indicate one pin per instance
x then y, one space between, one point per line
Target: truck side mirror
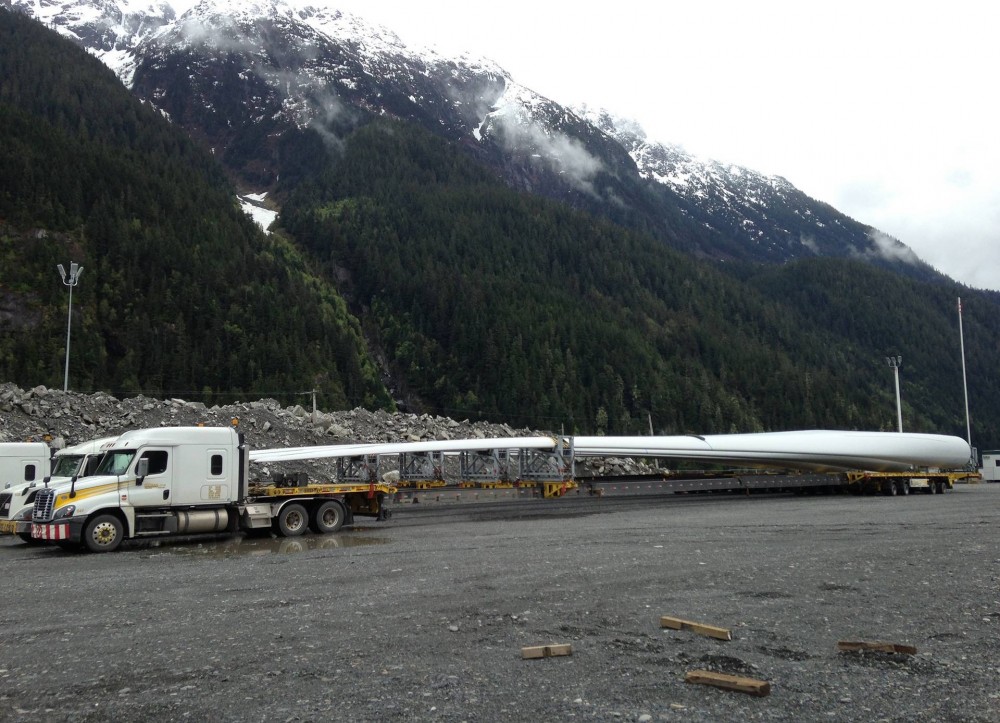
141 470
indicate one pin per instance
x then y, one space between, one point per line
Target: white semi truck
77 461
21 464
185 481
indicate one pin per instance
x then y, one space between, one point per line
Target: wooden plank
709 630
845 646
750 686
546 651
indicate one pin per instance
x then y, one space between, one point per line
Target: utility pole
649 416
313 393
895 362
70 280
965 384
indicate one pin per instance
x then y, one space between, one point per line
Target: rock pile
67 418
71 418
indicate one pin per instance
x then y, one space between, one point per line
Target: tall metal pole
895 362
965 385
70 280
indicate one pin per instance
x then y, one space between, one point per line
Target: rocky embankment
68 418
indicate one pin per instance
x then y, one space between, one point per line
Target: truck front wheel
292 520
328 517
104 533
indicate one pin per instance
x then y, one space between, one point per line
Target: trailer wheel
890 488
292 520
104 533
328 517
939 487
904 487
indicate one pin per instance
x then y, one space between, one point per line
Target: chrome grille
42 511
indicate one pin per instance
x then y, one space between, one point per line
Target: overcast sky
887 110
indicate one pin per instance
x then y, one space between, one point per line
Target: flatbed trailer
903 483
859 482
358 499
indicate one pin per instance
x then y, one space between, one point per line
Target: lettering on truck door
155 488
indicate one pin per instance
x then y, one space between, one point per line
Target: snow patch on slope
253 206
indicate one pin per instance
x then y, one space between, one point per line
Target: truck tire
104 533
328 517
292 520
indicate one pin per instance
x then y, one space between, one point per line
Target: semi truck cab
151 482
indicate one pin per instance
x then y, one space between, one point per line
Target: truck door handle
166 494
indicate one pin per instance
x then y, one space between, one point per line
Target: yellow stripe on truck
65 499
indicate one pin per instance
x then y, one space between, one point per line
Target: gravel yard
424 617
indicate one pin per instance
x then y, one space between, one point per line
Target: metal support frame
539 465
363 469
485 466
421 466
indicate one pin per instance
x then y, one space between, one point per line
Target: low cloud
330 113
224 37
810 243
568 156
890 249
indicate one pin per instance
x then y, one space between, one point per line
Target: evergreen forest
404 274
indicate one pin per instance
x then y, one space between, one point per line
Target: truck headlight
66 511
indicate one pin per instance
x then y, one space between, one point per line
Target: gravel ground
423 617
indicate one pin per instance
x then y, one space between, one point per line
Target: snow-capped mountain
239 75
764 212
108 29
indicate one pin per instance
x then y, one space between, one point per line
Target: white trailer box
991 466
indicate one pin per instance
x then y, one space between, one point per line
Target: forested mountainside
181 292
487 299
478 301
240 76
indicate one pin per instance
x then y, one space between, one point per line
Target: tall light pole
965 382
70 280
895 362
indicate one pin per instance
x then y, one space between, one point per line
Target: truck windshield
67 466
116 462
